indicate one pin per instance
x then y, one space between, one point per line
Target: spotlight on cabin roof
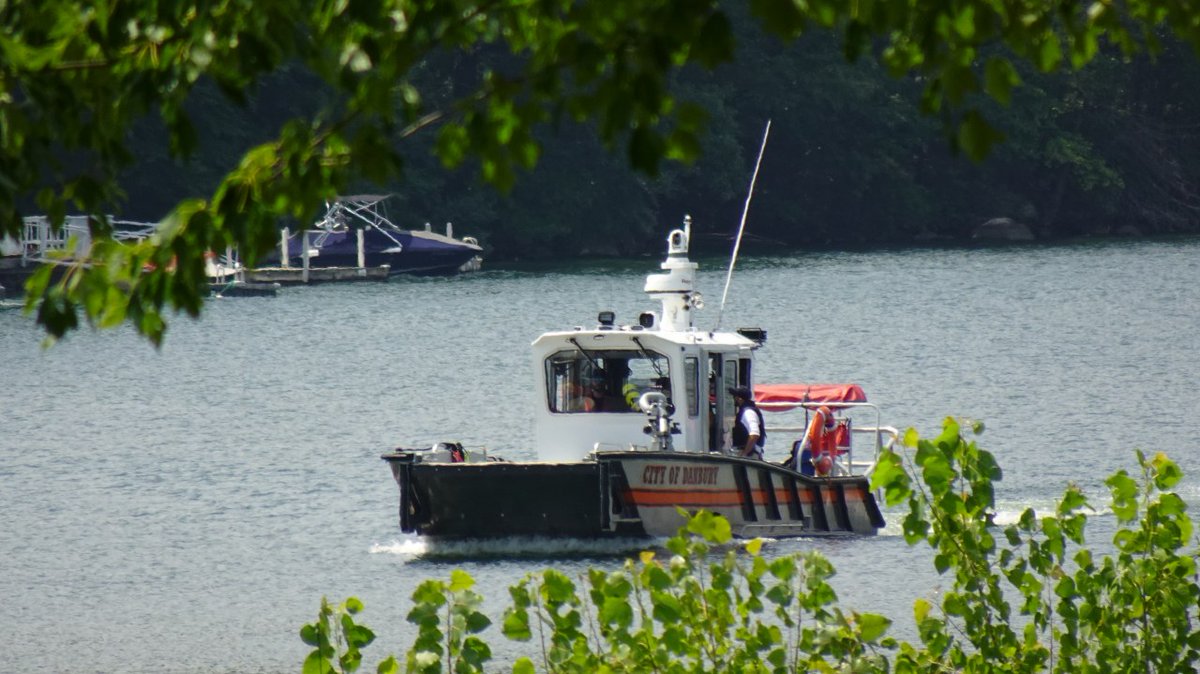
757 335
606 319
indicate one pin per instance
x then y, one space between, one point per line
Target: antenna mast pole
742 227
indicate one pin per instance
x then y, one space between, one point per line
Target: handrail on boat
878 431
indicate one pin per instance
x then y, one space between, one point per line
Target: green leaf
516 626
999 79
715 44
1065 588
964 22
311 635
954 604
430 592
921 608
460 580
1049 55
1124 495
711 527
975 136
911 437
646 149
937 472
754 546
477 622
872 626
616 611
359 636
556 586
1166 473
315 664
785 19
388 666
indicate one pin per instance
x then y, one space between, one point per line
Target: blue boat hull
405 252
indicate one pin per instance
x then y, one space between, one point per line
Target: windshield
581 381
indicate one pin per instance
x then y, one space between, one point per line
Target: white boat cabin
592 383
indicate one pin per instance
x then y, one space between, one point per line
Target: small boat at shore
633 429
356 234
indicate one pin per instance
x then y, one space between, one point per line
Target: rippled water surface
184 510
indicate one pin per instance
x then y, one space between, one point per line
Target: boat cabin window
691 373
604 380
744 374
728 405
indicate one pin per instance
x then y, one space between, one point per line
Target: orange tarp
779 397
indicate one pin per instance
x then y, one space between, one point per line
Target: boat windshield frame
612 378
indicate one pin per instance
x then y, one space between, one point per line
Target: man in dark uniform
749 430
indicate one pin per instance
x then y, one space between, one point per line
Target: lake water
185 510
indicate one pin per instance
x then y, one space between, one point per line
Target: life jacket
631 394
841 436
741 434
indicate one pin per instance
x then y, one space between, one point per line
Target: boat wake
517 547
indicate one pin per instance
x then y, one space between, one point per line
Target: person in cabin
627 398
596 392
749 430
630 394
581 397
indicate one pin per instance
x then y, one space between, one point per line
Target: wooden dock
300 276
243 289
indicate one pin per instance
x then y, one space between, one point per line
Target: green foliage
448 621
1077 610
338 641
691 612
1026 597
76 79
81 81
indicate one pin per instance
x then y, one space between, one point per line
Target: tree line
852 160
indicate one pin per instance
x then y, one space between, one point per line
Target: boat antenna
742 227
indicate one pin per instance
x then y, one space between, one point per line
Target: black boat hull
621 494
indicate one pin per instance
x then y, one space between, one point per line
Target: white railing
881 436
41 243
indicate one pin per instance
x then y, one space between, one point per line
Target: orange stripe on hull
685 497
724 498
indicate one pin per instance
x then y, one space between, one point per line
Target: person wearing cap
749 434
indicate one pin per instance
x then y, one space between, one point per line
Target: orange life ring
821 440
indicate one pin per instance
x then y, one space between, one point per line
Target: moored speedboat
634 425
356 233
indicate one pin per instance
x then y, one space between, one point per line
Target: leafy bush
715 607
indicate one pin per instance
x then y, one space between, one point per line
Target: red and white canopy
781 397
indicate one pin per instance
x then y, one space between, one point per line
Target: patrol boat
633 428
